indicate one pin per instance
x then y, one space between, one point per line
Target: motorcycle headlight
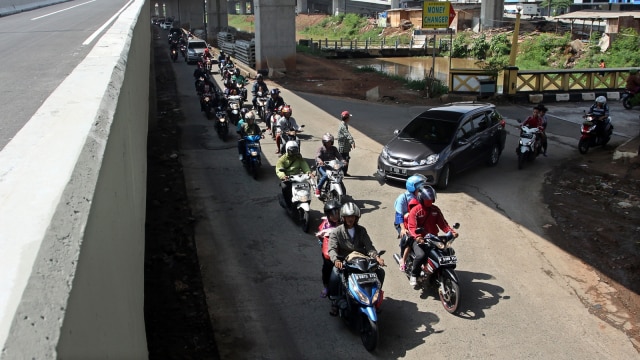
362 297
438 244
234 112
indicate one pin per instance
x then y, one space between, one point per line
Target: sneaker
403 268
413 281
317 192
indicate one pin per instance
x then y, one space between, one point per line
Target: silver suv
195 49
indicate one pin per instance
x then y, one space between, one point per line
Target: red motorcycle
591 136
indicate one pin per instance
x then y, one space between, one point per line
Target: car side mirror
396 132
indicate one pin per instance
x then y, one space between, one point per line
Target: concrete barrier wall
72 209
8 7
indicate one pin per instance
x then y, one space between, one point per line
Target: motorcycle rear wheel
583 146
369 333
449 293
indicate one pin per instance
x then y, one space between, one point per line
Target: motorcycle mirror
381 252
456 225
302 125
420 230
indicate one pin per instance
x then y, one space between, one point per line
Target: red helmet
206 51
286 110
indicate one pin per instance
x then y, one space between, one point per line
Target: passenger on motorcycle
330 221
286 123
430 218
221 56
291 163
633 82
344 240
401 206
535 121
600 112
259 85
274 102
325 153
249 127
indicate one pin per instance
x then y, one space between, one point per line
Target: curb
569 97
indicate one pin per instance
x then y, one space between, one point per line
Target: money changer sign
437 15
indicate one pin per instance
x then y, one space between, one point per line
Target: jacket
345 140
325 153
291 165
341 244
430 219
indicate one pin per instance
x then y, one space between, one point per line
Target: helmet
236 71
414 182
244 111
250 116
206 51
275 91
427 195
292 148
350 209
286 110
259 77
601 100
327 138
344 115
331 206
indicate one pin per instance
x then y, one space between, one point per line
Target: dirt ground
594 201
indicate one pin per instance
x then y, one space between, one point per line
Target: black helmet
332 206
275 91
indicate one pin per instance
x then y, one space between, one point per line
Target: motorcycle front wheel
253 169
369 333
449 293
626 102
304 220
583 146
520 161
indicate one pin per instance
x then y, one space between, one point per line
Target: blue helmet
415 182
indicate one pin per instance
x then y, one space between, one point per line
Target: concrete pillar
231 7
243 7
491 14
395 4
338 7
216 18
275 30
302 7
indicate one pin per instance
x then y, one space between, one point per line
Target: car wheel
494 156
445 176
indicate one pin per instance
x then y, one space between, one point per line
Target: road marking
95 34
55 12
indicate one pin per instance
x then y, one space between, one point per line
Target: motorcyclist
600 112
535 121
248 128
325 153
286 123
173 45
274 102
401 206
430 218
207 89
258 86
237 78
207 56
633 82
345 239
291 163
329 222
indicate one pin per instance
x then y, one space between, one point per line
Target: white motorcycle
299 206
235 104
261 101
529 146
333 188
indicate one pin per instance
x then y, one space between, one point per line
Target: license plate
448 260
398 171
366 278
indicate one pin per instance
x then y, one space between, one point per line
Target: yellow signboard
437 15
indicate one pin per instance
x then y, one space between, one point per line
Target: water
413 68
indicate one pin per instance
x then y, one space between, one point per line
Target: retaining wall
72 209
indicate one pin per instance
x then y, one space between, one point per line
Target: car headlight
430 160
385 153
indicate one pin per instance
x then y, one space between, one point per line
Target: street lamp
514 40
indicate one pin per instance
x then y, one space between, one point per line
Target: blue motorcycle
252 158
360 297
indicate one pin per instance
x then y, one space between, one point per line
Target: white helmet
250 116
350 209
292 148
601 100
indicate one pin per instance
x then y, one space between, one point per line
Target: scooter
222 124
252 159
174 54
242 90
361 296
206 99
529 146
289 135
234 104
333 188
630 100
299 206
590 136
261 101
439 268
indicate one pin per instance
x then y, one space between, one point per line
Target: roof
598 14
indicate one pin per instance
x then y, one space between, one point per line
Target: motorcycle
299 206
289 135
529 146
439 268
273 124
629 100
333 188
360 296
590 136
183 50
207 104
234 104
252 159
221 124
261 100
174 54
242 90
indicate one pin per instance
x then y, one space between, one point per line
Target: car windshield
197 45
428 130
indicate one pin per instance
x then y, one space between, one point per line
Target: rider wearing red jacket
430 218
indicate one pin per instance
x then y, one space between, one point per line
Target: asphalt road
40 48
522 297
